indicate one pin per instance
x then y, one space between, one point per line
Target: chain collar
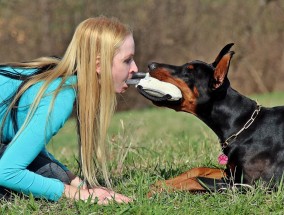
233 137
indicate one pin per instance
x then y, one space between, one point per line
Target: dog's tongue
154 89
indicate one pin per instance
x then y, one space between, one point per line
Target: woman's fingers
105 196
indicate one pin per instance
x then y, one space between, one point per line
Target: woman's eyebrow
128 56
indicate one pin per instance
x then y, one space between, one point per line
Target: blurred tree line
165 31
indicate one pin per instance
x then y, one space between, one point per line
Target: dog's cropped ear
224 51
221 70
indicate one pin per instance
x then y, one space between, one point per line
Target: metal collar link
233 137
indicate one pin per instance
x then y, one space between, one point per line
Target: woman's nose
135 68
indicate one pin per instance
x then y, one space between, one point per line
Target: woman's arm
30 142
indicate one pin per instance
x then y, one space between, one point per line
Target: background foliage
165 31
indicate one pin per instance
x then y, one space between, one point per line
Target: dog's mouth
154 98
154 89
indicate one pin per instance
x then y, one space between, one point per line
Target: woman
37 98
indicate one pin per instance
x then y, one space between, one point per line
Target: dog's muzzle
154 89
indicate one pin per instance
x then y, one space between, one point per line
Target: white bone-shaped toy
159 89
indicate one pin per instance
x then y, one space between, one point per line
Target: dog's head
198 81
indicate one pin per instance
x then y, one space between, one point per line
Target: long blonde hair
94 43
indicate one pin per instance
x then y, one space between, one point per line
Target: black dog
251 136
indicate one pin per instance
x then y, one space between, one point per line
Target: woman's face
123 64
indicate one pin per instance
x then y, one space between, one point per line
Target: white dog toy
155 89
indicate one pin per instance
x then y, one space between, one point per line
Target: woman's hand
78 190
105 196
101 195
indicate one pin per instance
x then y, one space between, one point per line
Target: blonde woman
37 98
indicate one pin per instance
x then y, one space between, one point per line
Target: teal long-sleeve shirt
25 146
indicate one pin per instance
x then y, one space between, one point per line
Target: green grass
149 145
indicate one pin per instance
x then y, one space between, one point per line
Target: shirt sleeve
31 141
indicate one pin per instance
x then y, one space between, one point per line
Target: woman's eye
128 60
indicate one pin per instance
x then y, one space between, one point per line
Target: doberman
251 136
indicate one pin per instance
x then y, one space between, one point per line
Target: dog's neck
227 115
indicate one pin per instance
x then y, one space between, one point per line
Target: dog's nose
152 66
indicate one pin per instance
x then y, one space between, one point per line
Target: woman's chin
122 89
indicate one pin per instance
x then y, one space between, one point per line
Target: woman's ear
98 65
